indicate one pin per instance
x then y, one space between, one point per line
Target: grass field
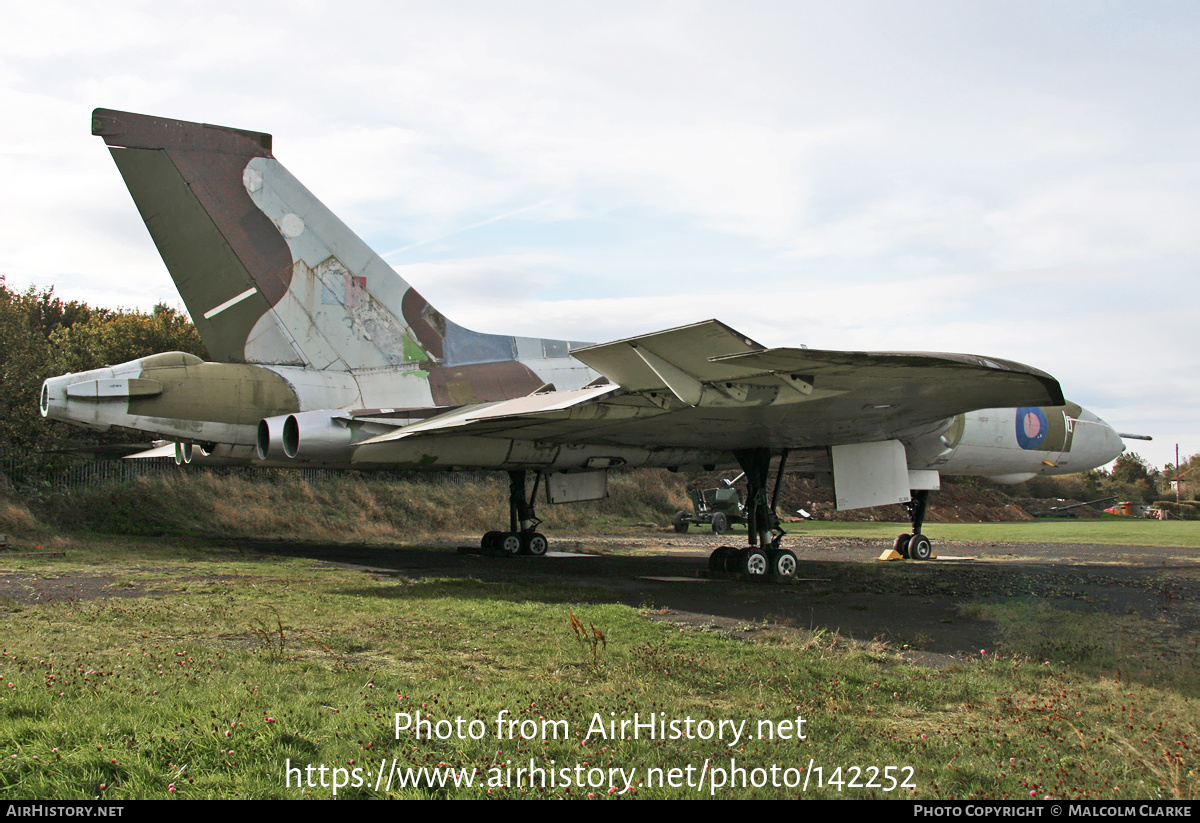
205 673
179 666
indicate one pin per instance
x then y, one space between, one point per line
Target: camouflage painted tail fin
268 273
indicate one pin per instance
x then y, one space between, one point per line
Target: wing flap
546 405
653 362
165 450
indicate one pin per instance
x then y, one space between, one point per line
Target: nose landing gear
915 546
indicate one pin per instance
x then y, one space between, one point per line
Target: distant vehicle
1069 510
719 508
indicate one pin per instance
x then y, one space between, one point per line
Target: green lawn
232 675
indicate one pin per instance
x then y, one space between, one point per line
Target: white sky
1015 179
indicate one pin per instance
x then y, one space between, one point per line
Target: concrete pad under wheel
748 578
892 554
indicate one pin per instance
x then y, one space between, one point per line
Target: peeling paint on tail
342 309
271 276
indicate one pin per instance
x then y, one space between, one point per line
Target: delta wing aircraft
324 356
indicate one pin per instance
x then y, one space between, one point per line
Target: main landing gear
916 545
522 536
763 555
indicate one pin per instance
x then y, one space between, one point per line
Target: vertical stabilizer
271 276
228 260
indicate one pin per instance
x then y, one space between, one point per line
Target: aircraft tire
733 560
784 563
507 543
755 562
901 545
720 523
534 543
718 561
919 547
681 522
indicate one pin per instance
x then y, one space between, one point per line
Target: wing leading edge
706 386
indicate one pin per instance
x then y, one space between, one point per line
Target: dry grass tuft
351 508
15 517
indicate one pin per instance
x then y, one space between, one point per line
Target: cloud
862 175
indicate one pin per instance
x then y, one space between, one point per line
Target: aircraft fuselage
237 413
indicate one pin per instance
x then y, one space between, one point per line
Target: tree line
42 335
1131 477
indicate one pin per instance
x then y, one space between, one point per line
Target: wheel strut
522 536
915 545
763 554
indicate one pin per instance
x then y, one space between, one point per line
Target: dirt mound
953 504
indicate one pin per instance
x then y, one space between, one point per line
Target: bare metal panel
576 486
870 474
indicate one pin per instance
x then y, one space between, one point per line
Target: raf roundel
1032 427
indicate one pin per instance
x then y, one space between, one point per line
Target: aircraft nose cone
1095 442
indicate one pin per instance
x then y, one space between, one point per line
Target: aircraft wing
707 386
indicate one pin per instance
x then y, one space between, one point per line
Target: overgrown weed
272 639
589 636
351 508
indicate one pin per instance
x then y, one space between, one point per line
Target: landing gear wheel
784 563
489 540
720 523
733 559
901 545
755 562
508 543
681 522
919 547
718 561
534 543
